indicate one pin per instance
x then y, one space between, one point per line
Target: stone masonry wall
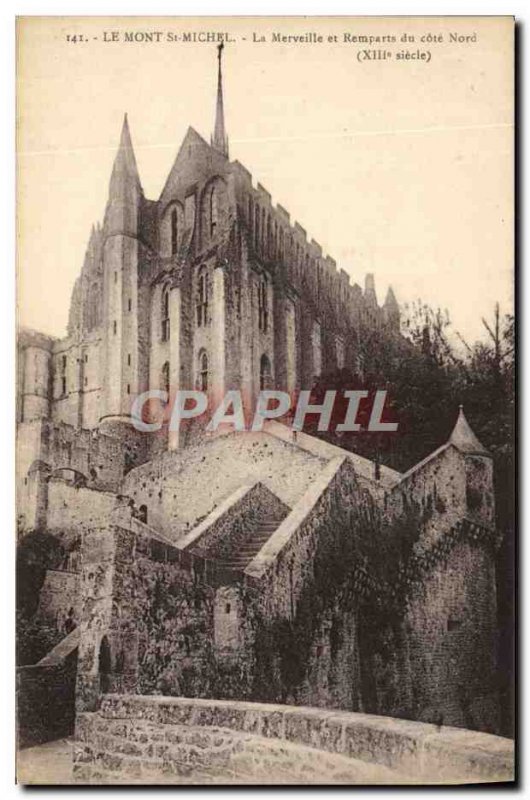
306 642
59 594
76 508
450 621
45 702
181 488
148 622
179 740
223 530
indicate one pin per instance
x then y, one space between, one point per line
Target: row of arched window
273 241
202 381
211 202
202 374
202 302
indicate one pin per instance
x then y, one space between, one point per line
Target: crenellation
264 194
284 215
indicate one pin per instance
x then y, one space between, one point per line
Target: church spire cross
220 139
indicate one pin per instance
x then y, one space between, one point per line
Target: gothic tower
120 277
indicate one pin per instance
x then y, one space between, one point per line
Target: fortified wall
347 598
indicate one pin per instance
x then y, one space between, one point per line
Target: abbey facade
209 286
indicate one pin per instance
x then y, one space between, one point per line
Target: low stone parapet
143 735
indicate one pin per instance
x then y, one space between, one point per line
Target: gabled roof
202 151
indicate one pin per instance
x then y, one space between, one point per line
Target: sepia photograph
265 401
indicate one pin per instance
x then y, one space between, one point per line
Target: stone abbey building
260 566
209 285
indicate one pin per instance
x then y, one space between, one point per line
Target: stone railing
364 468
169 737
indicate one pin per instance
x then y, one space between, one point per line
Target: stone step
243 555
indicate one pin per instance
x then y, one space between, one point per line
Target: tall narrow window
174 231
114 327
213 212
202 298
263 242
63 375
265 374
104 666
165 315
263 312
203 371
165 377
250 215
256 226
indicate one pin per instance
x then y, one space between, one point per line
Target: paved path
51 763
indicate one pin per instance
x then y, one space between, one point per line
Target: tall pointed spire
220 139
125 161
390 300
125 189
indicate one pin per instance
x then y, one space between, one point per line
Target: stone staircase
241 556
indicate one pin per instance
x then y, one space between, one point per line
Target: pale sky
400 168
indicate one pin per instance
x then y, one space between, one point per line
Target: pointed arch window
213 211
165 377
263 242
202 298
174 231
250 215
256 226
263 311
165 314
265 373
203 371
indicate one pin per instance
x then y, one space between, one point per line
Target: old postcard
265 400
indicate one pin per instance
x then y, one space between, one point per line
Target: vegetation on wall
428 373
36 553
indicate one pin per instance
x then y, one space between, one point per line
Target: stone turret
391 311
121 253
478 471
125 190
33 365
370 296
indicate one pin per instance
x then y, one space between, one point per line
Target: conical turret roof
464 439
390 300
125 166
